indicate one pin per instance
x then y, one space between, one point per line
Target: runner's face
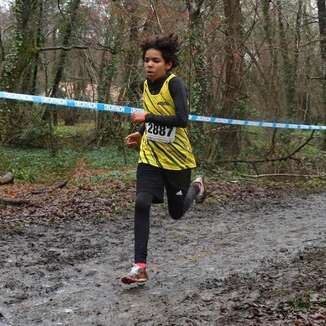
155 65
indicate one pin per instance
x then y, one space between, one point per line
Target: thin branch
64 48
317 78
156 15
283 158
60 10
76 47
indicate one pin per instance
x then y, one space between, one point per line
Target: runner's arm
141 129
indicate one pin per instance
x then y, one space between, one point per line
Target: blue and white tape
128 110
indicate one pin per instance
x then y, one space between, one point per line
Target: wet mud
254 262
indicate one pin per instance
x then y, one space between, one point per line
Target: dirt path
256 263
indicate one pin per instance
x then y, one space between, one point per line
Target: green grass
80 130
37 165
110 157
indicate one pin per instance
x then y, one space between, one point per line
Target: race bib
160 133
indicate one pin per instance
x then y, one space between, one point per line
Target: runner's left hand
139 116
133 140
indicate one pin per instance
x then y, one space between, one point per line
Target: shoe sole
128 280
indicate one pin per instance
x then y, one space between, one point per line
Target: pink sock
141 265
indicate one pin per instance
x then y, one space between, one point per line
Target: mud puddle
255 263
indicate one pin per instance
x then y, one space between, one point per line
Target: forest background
253 59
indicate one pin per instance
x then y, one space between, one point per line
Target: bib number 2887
160 133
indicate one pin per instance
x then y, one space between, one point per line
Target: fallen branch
272 175
14 201
57 185
7 178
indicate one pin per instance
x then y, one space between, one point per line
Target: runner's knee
143 202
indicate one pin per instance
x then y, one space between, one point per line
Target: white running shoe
136 275
200 197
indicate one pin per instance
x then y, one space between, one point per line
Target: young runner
166 158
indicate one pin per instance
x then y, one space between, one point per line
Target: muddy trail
254 262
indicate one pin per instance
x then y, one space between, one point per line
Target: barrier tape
128 110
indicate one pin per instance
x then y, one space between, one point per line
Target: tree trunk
21 50
273 103
305 94
287 69
66 36
230 137
271 97
67 29
39 42
131 76
105 126
322 31
199 96
17 59
2 51
290 68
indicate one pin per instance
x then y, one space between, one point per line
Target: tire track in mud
68 274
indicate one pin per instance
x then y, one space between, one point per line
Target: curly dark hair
168 45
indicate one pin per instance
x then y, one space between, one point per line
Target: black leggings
178 205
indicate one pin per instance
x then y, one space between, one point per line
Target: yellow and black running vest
175 155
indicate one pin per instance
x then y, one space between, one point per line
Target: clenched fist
133 140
